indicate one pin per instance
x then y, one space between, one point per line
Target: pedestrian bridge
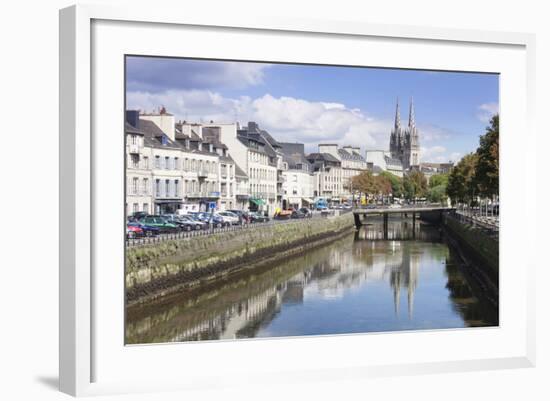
431 213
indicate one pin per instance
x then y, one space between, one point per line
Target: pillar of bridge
357 219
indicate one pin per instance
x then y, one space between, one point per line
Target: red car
134 231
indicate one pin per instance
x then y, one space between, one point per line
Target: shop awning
257 201
308 200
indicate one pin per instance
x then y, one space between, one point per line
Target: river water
410 280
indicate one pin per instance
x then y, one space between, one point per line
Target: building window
145 186
136 207
146 162
176 163
176 188
166 163
157 188
167 188
146 208
134 186
157 161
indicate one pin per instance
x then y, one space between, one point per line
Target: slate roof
392 161
322 157
239 172
344 154
293 155
130 129
154 136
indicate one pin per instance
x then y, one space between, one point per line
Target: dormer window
164 140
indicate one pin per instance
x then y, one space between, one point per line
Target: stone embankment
155 270
477 245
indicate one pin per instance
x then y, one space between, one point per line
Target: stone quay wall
477 245
155 270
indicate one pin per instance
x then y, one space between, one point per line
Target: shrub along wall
157 269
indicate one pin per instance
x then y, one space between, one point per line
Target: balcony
204 194
134 149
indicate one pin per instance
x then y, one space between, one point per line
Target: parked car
181 224
306 211
256 217
133 231
298 214
196 223
242 214
149 231
160 223
226 220
233 218
136 216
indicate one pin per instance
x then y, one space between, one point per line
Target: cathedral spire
397 116
411 114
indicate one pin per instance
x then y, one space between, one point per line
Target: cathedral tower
405 143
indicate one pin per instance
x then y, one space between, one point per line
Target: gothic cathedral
404 142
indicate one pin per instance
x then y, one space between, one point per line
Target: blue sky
314 104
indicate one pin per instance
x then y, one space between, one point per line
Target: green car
160 223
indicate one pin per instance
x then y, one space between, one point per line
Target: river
411 280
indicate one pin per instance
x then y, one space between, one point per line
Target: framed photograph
281 200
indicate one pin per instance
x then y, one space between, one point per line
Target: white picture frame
84 327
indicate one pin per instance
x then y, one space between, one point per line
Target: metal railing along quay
209 231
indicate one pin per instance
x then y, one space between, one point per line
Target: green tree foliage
437 191
437 194
439 179
462 186
370 184
396 183
415 185
486 176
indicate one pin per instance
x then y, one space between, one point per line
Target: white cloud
438 154
290 119
287 118
486 110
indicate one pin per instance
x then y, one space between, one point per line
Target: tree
461 186
396 183
369 184
486 175
437 194
415 185
439 179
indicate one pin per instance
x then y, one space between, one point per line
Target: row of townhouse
179 165
175 166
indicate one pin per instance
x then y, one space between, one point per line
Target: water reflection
361 283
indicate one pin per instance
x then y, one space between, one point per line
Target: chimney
252 126
132 118
330 148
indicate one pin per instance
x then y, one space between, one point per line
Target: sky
315 104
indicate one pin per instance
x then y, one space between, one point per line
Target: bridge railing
490 223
